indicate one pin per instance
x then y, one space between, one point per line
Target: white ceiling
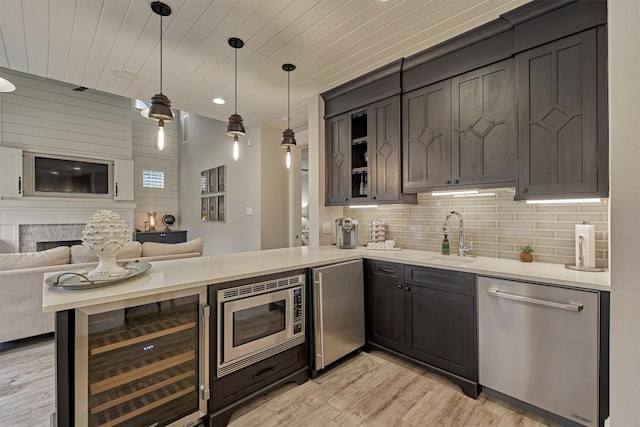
330 41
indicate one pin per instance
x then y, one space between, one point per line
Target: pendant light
288 136
160 108
235 127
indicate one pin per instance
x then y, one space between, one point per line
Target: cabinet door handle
116 189
317 296
386 270
264 371
399 286
19 185
524 190
407 288
564 306
374 197
446 181
457 181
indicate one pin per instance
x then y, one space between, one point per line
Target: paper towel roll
588 244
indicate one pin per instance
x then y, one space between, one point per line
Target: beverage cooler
143 362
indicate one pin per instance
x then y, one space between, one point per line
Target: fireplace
43 246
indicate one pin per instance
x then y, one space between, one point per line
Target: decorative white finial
104 235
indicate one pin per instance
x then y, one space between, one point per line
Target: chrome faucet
462 249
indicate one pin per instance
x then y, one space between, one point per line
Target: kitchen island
171 286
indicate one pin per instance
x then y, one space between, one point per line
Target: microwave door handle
319 326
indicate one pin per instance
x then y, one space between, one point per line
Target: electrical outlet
326 228
249 211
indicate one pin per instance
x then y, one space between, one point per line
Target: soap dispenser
445 245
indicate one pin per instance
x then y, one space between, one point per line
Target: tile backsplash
497 224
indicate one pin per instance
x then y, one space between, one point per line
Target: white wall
146 156
208 147
624 92
318 212
274 190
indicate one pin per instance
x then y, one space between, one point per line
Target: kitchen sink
451 259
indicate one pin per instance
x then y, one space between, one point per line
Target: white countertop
178 274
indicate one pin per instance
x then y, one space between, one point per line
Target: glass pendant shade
288 139
288 136
160 108
235 127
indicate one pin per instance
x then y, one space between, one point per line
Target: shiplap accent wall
49 117
46 116
146 156
497 224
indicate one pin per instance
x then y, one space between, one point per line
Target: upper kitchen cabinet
363 140
11 172
562 118
426 154
461 131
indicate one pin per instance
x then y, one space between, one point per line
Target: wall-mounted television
59 176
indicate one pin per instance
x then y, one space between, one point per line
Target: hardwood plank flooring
371 389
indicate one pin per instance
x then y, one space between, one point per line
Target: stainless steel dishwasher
540 344
338 312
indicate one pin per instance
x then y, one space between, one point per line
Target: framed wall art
213 188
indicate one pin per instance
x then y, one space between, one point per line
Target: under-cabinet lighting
563 201
474 195
453 193
362 206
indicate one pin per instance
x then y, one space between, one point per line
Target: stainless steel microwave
259 320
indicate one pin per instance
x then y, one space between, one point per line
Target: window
152 179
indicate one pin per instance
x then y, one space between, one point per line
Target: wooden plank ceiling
330 41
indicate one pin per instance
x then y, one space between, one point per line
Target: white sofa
22 276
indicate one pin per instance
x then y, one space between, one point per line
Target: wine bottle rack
143 364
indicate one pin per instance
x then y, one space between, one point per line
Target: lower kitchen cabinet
425 314
385 306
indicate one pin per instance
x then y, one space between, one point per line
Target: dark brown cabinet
426 121
461 131
363 155
559 119
337 154
426 314
385 305
441 319
161 236
483 117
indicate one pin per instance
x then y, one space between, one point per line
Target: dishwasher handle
564 306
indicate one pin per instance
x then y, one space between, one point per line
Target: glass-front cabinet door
143 363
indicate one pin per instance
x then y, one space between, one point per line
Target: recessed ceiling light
218 101
6 85
125 74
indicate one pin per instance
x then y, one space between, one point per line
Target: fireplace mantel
33 211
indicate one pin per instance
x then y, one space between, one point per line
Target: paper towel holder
580 266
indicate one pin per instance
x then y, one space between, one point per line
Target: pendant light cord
288 98
160 53
236 80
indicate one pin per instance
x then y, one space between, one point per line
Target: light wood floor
371 389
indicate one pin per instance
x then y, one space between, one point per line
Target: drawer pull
563 306
263 372
386 270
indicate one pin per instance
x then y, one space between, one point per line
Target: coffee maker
346 233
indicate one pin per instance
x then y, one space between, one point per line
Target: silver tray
78 279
